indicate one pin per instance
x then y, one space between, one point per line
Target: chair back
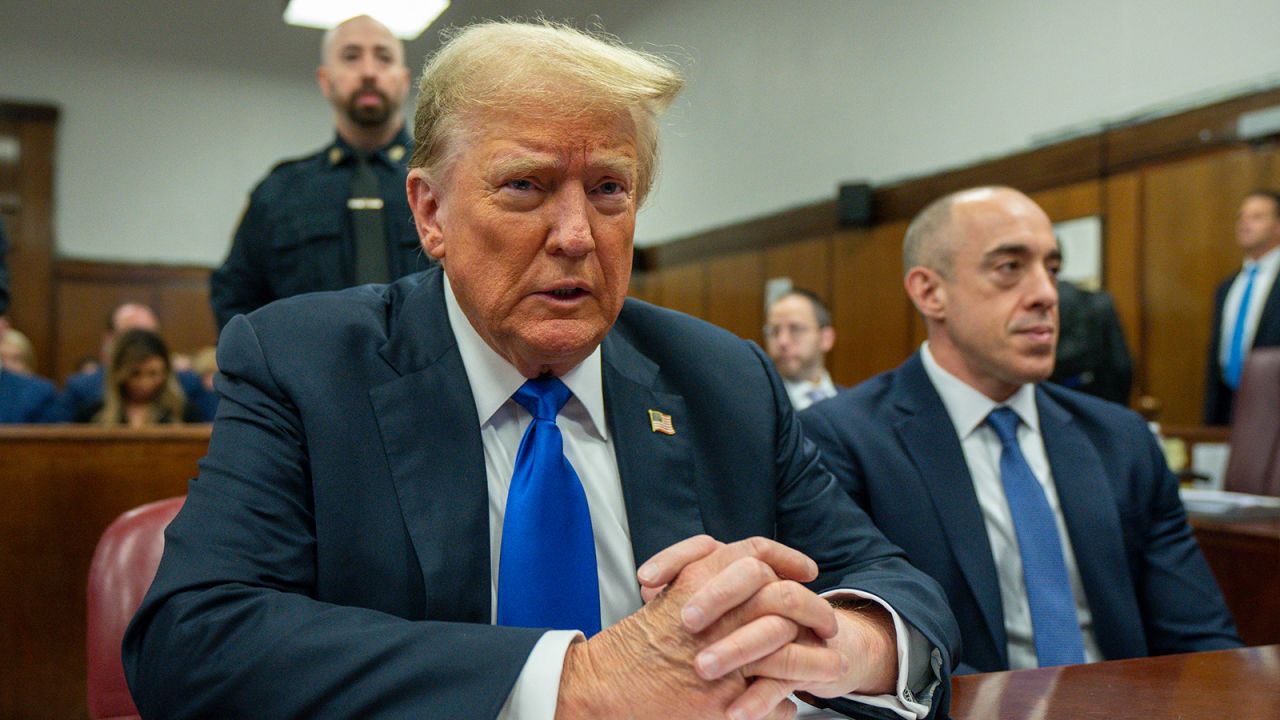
122 569
1254 464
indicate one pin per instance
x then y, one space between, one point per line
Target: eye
611 187
521 185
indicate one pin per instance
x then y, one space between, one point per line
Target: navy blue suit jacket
892 445
332 557
25 398
1218 398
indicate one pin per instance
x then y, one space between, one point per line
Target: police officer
339 217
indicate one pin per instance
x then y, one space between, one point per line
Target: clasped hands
727 631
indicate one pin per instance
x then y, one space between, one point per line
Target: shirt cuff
918 665
537 688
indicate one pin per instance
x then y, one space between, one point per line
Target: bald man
338 217
1048 516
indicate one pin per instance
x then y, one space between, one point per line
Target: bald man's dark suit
332 558
892 445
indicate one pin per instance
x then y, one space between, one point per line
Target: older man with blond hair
499 488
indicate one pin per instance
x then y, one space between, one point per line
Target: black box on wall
853 205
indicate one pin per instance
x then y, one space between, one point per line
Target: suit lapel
940 462
1089 508
427 420
657 470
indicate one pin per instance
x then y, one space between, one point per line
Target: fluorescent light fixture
405 18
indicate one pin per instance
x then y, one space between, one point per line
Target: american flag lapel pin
661 422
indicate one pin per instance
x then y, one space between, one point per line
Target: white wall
786 99
158 146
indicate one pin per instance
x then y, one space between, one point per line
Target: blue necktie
1054 624
1236 351
547 571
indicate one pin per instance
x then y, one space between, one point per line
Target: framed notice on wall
1081 243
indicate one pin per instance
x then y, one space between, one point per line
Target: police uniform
297 233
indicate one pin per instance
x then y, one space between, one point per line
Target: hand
788 639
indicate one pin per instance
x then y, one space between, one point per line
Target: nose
571 233
1043 291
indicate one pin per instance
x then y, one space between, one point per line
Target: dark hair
1272 195
820 308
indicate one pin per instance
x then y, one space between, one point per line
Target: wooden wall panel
60 487
642 287
872 313
86 292
682 287
806 262
735 293
1122 263
1072 201
1188 215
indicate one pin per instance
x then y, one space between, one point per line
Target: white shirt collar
967 406
1267 264
494 380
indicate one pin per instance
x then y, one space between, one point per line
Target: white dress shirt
802 392
968 409
1268 267
589 449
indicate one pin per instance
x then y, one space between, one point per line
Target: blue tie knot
1005 422
543 397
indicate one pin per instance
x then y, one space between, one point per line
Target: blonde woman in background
141 388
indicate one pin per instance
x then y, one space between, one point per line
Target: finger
785 710
724 591
762 697
795 602
787 562
800 665
663 567
744 645
649 593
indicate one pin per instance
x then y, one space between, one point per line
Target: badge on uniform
661 422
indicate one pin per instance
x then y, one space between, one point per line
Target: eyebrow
522 164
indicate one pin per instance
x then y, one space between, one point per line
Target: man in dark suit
344 550
1049 517
798 334
1092 355
1255 290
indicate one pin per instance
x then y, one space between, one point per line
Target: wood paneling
735 293
1072 201
1188 215
1122 262
806 262
871 312
1202 129
87 292
26 189
60 487
682 287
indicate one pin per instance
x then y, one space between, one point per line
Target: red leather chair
122 569
1254 464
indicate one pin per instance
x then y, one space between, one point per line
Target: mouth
566 294
1040 334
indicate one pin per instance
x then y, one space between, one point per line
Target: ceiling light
405 18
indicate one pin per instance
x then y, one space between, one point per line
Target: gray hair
507 65
930 241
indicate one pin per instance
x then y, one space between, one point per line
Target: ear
927 292
424 203
827 336
322 80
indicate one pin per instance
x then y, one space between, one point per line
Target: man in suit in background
1092 355
1246 306
1048 516
798 335
370 534
337 217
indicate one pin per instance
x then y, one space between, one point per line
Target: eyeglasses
773 332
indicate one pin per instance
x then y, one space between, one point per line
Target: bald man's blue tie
1054 624
547 571
1236 350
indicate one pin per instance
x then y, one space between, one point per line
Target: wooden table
1245 558
1239 684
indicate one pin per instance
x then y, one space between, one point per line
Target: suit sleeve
240 284
232 626
816 516
1183 608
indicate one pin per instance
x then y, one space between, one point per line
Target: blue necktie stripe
1236 350
1054 624
547 568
